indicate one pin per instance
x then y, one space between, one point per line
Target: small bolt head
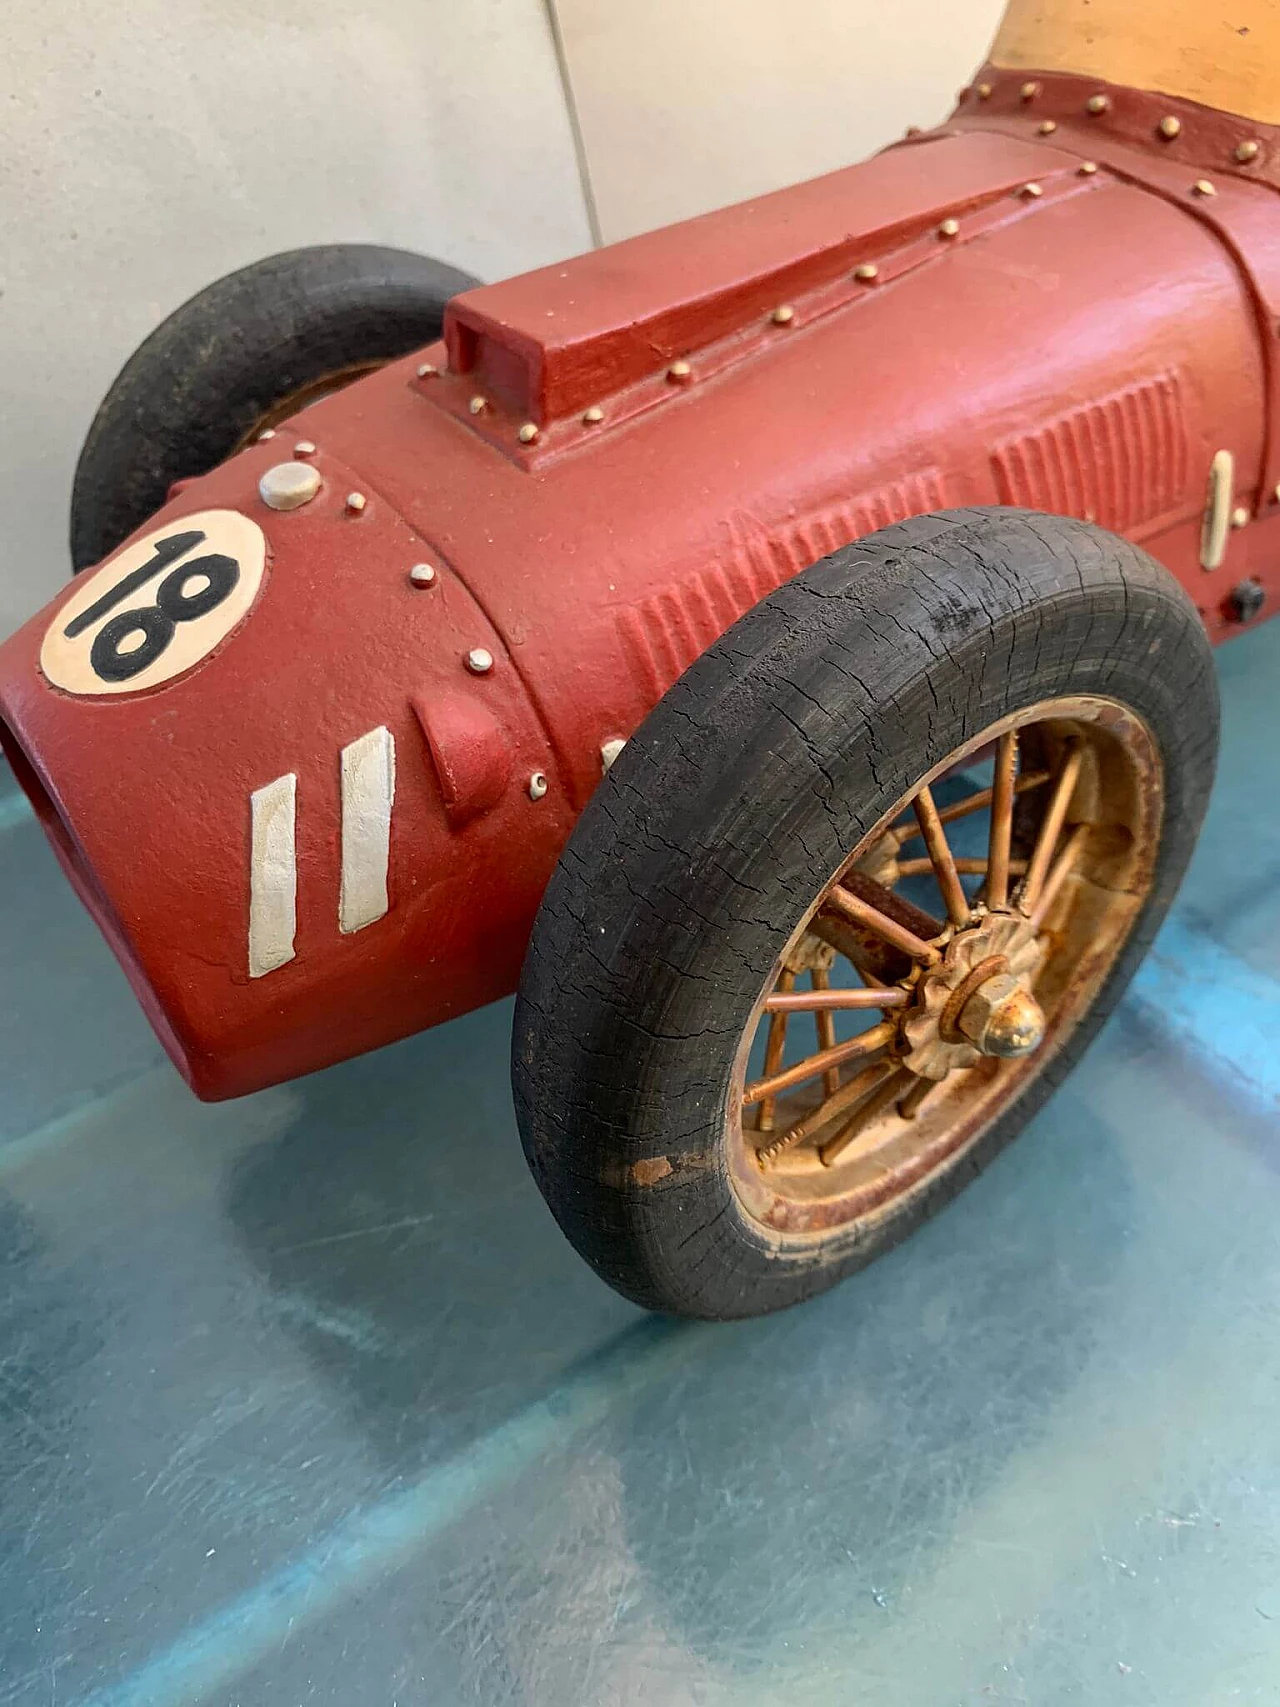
609 752
866 272
356 502
537 785
423 575
783 315
1097 104
1031 191
304 447
984 91
479 661
528 433
949 228
679 373
288 485
1046 127
478 405
1087 168
428 370
1028 91
1246 600
1246 151
1169 127
593 416
1239 517
265 434
1202 187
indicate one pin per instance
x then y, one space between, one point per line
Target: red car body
606 464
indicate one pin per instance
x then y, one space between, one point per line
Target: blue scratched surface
304 1400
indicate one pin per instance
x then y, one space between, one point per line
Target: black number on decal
177 545
132 641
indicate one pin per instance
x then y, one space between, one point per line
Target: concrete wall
686 105
156 145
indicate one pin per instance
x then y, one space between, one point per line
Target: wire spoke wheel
944 962
854 899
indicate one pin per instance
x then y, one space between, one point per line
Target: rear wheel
854 899
247 352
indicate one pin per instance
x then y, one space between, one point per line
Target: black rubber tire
191 392
727 812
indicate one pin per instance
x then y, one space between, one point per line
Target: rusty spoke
909 1105
1051 827
942 859
824 1021
1001 832
844 1097
976 802
774 1049
1061 869
966 867
821 998
866 1043
871 1108
860 912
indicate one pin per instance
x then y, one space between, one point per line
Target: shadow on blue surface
304 1398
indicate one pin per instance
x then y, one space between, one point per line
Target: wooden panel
1222 56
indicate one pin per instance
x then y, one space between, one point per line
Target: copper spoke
1001 832
909 1105
861 912
774 1049
825 1024
815 1000
1062 868
966 867
1051 828
843 1098
883 1097
974 803
944 865
866 1043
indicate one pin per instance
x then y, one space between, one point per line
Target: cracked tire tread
728 810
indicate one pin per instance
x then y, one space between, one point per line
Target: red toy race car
785 636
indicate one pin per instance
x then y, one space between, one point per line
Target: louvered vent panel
1120 462
668 631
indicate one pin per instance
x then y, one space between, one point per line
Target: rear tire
783 749
233 358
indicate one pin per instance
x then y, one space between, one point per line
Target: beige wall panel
685 105
156 145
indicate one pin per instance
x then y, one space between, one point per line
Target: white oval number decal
157 607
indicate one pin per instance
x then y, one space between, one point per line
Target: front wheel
853 901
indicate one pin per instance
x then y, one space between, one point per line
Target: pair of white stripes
368 772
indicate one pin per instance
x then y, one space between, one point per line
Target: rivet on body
288 485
